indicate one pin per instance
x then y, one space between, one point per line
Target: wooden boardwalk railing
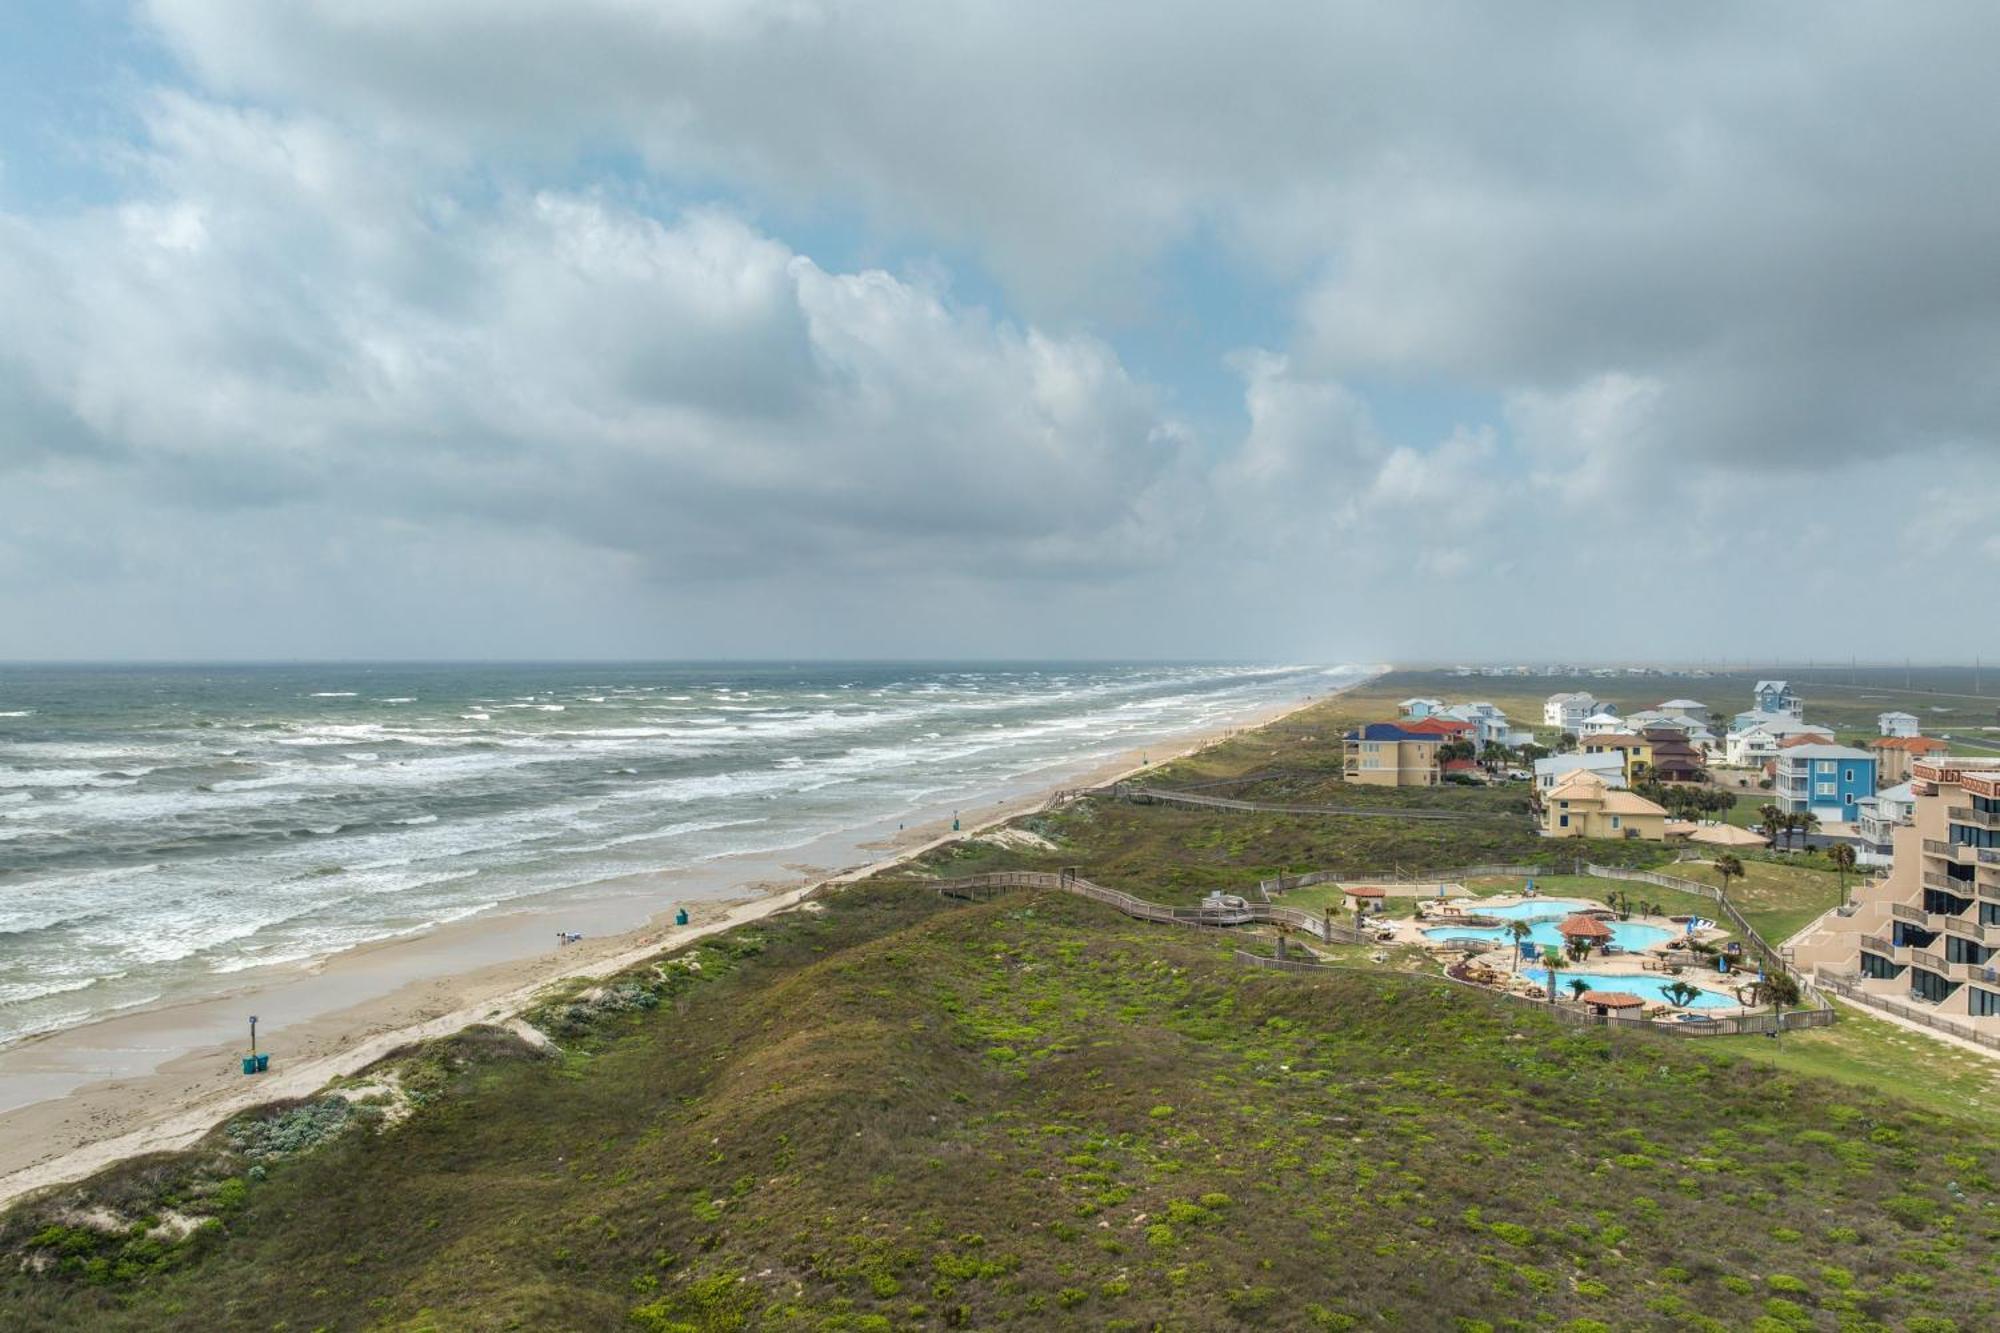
1126 791
1319 926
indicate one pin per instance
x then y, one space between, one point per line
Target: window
1982 1003
1989 914
1825 789
1565 818
1614 821
1875 965
1850 775
1929 985
1825 765
1958 949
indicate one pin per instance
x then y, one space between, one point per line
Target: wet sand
153 1079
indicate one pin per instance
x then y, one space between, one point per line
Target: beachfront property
1385 754
1418 708
1556 767
1894 754
1693 710
1929 932
1827 780
1672 757
1755 738
1898 724
1567 710
1583 805
1627 748
1776 696
1445 729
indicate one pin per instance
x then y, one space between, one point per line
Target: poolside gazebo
1581 927
1612 1003
1363 895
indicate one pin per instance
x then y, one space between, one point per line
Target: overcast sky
489 328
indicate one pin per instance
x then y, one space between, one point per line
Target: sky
806 328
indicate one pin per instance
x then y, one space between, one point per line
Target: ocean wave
334 694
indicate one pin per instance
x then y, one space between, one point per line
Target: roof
1763 685
1364 891
1630 803
1684 703
1612 999
1827 752
1612 738
1459 765
1896 712
1438 726
1391 731
1900 792
1914 744
1681 828
1583 927
1602 716
1725 835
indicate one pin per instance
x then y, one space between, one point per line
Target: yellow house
1581 806
1632 749
1383 754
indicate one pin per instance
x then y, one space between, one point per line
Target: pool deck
1635 963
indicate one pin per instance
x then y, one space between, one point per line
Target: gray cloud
365 301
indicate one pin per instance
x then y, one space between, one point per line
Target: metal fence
1849 988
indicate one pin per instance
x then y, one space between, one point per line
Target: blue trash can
263 1063
249 1064
681 917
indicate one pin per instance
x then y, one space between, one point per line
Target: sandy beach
155 1079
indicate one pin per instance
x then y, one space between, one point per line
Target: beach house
1775 696
1419 707
1566 711
1600 723
1877 818
1898 724
1894 754
1556 767
1672 756
1827 780
1583 805
1756 743
1385 754
1490 725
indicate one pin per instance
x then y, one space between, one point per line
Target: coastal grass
905 1112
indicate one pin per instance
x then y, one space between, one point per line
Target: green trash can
263 1063
249 1064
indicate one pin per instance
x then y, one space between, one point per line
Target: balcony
1971 818
1956 852
1915 915
1971 930
1929 962
1989 856
1877 944
1957 888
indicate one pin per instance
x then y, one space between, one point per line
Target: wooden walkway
979 888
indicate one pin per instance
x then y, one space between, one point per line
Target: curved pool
1643 986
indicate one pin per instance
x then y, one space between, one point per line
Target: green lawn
1779 899
1868 1052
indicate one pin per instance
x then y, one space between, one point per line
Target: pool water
1543 916
1645 987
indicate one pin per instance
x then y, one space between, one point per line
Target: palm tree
1807 822
1730 866
1578 986
1776 989
1843 861
1518 931
1552 959
1681 995
1773 819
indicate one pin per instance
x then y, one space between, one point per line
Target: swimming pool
1645 987
1629 935
1543 916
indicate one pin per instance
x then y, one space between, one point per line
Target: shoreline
176 1085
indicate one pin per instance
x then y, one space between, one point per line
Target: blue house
1775 696
1829 780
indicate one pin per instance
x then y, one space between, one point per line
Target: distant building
1601 723
1444 728
1419 708
1775 696
1757 744
1878 817
1694 710
1672 757
1583 805
1385 754
1898 724
1566 711
1490 725
1894 754
1828 780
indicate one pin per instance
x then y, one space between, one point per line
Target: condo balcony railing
1971 818
1989 856
1971 930
1958 887
1877 944
1930 962
1904 912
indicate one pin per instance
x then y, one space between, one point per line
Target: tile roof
1914 744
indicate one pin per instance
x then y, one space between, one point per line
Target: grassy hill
898 1111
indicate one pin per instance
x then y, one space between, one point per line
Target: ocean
162 828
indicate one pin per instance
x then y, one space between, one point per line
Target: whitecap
333 694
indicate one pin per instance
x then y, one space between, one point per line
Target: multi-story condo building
1930 932
1827 780
1895 754
1383 754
